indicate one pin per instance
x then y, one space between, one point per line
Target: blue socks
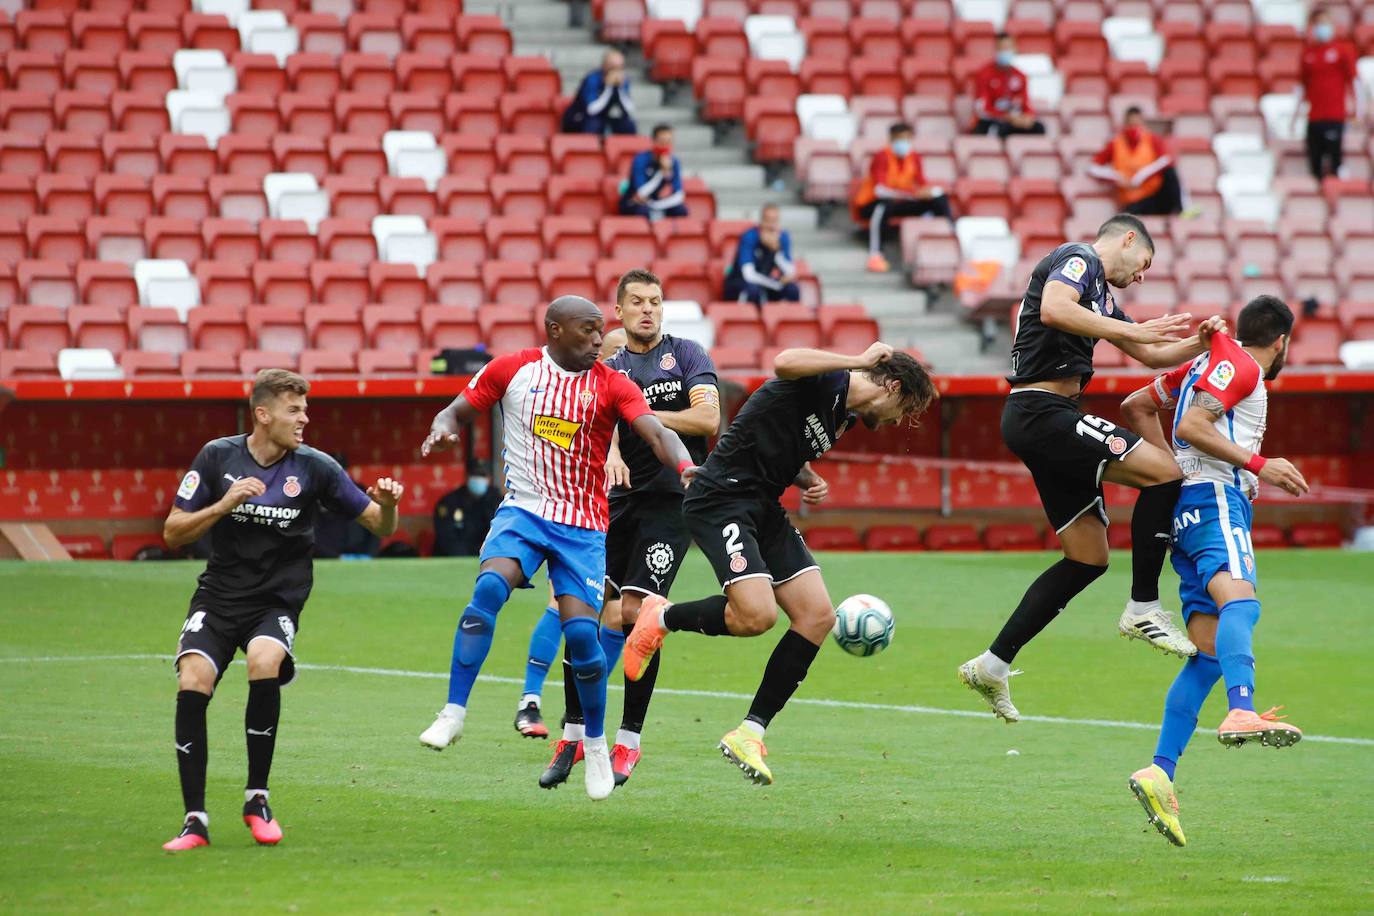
472 640
589 672
544 641
1234 629
612 642
1181 706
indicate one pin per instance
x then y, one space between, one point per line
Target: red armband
684 465
1256 463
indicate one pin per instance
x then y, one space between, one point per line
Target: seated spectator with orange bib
1138 162
894 188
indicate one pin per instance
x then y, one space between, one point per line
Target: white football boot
996 690
1148 621
447 728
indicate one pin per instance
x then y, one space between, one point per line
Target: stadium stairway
908 317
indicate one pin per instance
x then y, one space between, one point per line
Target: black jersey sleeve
338 493
697 367
196 490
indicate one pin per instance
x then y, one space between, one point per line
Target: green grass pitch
901 810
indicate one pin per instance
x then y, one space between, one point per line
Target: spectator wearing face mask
1138 162
463 517
602 103
1330 85
655 186
763 270
894 188
1002 96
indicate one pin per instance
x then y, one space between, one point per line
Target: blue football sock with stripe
589 672
544 641
612 642
472 640
1234 651
1181 706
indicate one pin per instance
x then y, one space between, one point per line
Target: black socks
705 616
192 751
260 719
1042 602
1151 525
572 703
638 693
786 669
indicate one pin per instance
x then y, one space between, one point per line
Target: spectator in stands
895 187
763 270
1328 80
1002 97
463 517
1138 163
655 187
602 103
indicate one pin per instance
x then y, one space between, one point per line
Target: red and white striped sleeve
489 384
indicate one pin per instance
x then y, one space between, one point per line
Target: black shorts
217 636
746 538
1066 451
646 543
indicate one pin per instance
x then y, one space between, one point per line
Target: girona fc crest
292 487
667 362
586 398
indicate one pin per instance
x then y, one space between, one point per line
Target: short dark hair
1134 110
1263 320
916 385
1003 36
638 275
1123 223
901 127
272 383
660 128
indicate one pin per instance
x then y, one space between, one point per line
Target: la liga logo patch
1074 269
1221 376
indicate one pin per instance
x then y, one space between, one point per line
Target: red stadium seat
1315 534
472 156
682 239
1014 537
231 240
374 363
55 238
513 239
505 328
320 33
251 362
145 364
397 284
147 72
37 71
392 327
84 546
38 327
510 283
455 283
577 197
832 537
567 278
226 283
98 326
348 240
260 73
407 197
484 35
952 537
892 538
448 326
719 85
105 285
791 326
570 238
27 364
259 115
473 114
218 327
459 239
333 327
74 154
282 284
277 327
670 49
340 283
288 240
1265 536
425 73
174 238
296 153
316 363
524 156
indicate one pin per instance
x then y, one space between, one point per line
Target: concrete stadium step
731 177
793 217
538 13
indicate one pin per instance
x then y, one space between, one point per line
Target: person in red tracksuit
1328 81
1001 96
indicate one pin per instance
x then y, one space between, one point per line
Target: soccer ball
863 625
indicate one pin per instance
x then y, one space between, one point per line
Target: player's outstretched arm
668 448
443 432
801 362
1060 309
1165 355
380 515
182 527
1198 428
700 419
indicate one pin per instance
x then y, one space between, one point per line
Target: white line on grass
669 691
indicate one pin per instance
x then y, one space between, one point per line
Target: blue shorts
1211 535
576 556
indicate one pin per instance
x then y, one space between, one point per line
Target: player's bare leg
1239 611
1155 473
806 603
261 717
195 686
1084 541
497 577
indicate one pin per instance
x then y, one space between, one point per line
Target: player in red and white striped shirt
559 406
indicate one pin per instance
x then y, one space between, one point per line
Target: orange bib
1128 161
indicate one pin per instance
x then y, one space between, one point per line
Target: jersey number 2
732 542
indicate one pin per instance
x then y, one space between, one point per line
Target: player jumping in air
1219 423
547 634
559 406
648 539
256 495
734 514
1066 310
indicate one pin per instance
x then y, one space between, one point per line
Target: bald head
573 330
613 60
